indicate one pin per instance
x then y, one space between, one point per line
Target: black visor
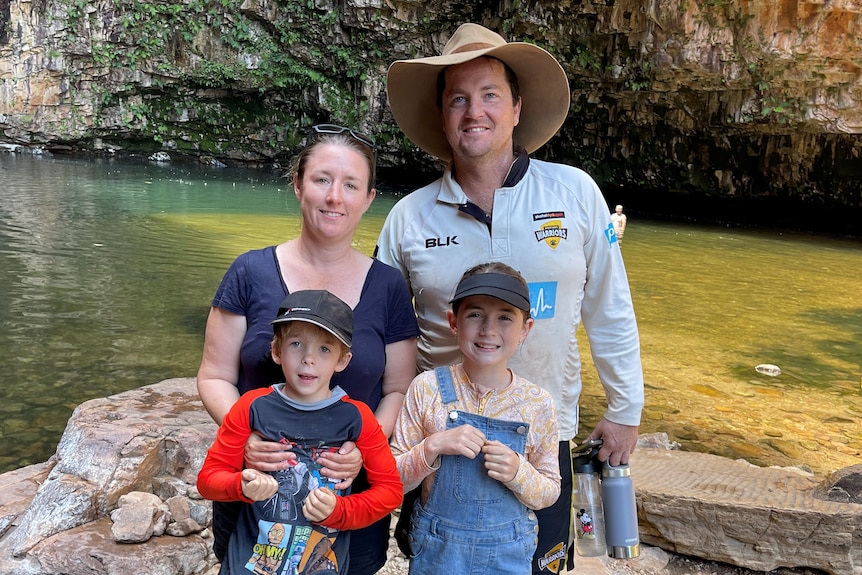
501 286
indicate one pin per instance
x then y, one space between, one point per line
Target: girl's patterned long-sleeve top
537 483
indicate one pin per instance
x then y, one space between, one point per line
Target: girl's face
333 193
308 356
488 330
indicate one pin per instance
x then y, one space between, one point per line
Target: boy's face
488 330
308 356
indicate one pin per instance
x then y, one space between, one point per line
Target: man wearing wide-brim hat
482 107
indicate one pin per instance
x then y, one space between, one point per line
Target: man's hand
267 455
344 465
501 462
319 504
257 485
618 441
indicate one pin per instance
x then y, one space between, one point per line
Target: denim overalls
472 524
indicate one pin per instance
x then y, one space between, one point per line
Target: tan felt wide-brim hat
412 89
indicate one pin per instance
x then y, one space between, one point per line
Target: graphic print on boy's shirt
286 536
293 550
296 482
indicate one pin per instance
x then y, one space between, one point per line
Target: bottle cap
618 471
585 464
586 457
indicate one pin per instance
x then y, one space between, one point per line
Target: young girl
480 440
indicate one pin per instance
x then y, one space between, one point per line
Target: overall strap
445 384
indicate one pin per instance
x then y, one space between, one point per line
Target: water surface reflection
109 268
713 303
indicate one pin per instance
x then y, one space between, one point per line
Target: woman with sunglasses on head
333 179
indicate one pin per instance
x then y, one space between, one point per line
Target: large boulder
56 517
734 512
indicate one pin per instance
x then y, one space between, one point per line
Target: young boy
293 518
481 440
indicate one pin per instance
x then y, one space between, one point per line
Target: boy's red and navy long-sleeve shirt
273 535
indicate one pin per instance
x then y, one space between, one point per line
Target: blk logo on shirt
441 242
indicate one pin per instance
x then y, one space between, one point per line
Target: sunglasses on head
336 129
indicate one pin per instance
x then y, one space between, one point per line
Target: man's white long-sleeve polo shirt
554 227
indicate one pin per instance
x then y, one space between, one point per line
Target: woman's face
333 192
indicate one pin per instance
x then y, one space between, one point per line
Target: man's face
479 114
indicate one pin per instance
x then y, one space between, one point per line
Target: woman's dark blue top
253 287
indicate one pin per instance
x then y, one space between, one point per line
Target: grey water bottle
621 516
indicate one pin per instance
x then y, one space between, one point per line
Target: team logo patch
551 232
543 299
554 559
610 234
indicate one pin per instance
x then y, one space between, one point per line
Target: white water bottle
587 509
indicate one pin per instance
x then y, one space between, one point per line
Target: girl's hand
463 440
501 462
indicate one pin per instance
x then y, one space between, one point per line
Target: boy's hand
319 504
501 462
257 485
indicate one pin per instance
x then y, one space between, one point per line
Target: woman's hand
267 455
257 485
319 504
343 465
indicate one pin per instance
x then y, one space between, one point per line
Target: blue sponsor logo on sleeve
543 299
611 234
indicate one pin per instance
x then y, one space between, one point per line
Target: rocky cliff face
714 98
